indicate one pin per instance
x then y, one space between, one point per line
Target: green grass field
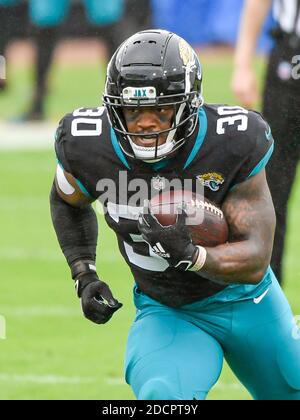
51 351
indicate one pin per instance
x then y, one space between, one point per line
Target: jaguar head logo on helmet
153 71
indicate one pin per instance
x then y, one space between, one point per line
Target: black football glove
97 301
172 242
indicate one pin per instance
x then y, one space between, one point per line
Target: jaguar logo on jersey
212 180
158 183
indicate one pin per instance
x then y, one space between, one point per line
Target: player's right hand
97 301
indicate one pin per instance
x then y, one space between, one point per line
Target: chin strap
177 119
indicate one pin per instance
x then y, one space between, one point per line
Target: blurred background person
51 21
47 22
281 99
45 17
13 24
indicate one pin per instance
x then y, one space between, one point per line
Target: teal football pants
177 354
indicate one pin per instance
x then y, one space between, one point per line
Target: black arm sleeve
76 228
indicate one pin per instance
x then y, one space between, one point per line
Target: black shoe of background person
31 116
3 84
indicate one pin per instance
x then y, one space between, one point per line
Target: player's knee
157 389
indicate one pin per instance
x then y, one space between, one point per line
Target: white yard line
44 379
39 311
29 136
115 381
219 385
56 379
22 254
231 385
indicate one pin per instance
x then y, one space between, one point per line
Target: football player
195 305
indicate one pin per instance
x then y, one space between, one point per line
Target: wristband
80 267
200 260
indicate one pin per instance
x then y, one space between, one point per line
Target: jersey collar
200 138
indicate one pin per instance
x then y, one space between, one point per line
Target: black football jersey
229 145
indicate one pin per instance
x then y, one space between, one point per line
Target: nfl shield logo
158 183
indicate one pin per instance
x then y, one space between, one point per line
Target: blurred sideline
29 136
40 135
70 51
80 51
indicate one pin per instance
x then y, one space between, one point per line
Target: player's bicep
250 213
68 189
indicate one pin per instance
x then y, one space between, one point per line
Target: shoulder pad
61 136
79 133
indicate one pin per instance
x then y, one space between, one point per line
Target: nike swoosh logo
260 298
269 134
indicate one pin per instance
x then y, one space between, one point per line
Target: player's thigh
264 349
170 358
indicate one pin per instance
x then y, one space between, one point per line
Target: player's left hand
172 242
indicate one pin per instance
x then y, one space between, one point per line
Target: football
205 221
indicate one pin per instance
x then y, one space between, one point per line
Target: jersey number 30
87 118
232 115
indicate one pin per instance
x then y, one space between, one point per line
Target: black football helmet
154 68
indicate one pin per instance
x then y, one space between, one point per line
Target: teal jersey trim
269 135
118 149
83 189
262 163
200 138
79 183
